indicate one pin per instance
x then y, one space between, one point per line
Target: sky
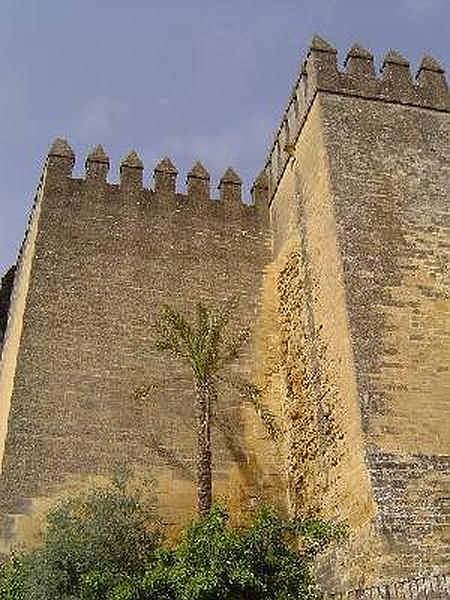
191 79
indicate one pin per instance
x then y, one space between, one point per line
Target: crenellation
359 62
132 161
395 72
298 96
431 80
320 73
319 44
285 139
97 165
291 119
198 182
260 191
275 161
60 158
393 57
396 80
131 172
321 64
293 110
165 177
230 188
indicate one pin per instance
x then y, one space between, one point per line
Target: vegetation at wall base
107 544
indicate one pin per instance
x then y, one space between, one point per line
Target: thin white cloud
97 119
422 7
229 146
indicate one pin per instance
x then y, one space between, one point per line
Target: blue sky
203 79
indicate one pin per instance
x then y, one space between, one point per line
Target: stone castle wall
105 259
359 211
342 270
433 587
393 230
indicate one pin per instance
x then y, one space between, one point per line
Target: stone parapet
61 160
320 73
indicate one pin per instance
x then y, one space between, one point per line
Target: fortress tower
341 264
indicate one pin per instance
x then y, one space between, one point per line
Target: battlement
159 207
341 279
320 73
61 160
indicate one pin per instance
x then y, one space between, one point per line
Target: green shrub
106 545
215 561
111 530
13 574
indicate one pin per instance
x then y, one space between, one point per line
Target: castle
341 266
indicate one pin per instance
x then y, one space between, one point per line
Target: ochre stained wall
359 187
101 262
390 174
325 446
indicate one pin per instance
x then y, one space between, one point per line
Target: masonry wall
105 259
390 174
325 445
359 182
433 587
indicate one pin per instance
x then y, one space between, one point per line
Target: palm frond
218 323
173 333
202 344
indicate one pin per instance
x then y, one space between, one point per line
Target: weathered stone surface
98 264
361 234
132 160
60 147
341 265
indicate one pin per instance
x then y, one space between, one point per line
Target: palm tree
206 347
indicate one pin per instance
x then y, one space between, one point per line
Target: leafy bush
110 530
13 574
215 561
106 545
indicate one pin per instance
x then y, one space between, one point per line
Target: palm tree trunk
203 417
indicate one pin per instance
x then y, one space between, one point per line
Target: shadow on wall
5 298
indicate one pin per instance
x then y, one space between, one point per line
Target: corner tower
341 264
359 207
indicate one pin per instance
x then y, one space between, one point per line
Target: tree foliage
110 530
107 545
216 561
207 344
